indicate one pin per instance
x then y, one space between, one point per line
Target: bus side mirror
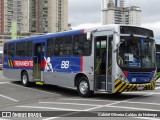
118 45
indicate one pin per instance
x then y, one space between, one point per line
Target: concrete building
10 10
38 16
116 13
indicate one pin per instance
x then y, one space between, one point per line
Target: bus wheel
83 87
25 79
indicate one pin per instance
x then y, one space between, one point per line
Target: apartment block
116 13
37 16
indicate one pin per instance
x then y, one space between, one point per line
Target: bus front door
38 56
103 63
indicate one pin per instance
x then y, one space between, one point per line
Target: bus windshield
158 55
136 52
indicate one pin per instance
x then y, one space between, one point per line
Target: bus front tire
25 79
83 87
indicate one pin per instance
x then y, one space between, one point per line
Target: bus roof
59 34
71 32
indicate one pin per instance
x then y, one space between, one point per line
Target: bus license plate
140 88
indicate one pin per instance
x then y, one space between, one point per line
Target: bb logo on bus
65 65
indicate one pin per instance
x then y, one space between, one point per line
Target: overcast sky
84 13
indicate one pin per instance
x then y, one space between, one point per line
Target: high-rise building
116 13
40 16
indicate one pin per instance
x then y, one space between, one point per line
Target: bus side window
29 49
5 50
21 49
81 46
63 46
11 50
50 47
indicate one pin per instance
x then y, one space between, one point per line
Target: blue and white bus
158 60
110 58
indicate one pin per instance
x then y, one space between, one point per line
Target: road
67 103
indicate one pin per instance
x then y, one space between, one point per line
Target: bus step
100 90
39 83
37 80
101 85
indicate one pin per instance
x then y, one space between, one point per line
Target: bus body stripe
123 88
81 64
11 63
118 87
43 63
83 30
117 81
8 63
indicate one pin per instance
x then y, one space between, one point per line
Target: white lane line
142 93
47 108
143 103
107 105
69 103
4 119
133 108
94 100
34 89
146 118
4 82
154 93
52 118
9 98
157 88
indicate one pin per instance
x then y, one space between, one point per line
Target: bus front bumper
126 87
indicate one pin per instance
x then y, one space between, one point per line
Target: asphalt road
66 103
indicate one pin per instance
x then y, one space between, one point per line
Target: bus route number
65 65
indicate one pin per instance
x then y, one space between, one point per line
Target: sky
87 13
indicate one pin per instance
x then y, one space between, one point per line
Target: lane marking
157 88
9 98
133 108
4 82
143 103
34 89
102 106
139 92
69 103
4 119
49 108
107 105
87 100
